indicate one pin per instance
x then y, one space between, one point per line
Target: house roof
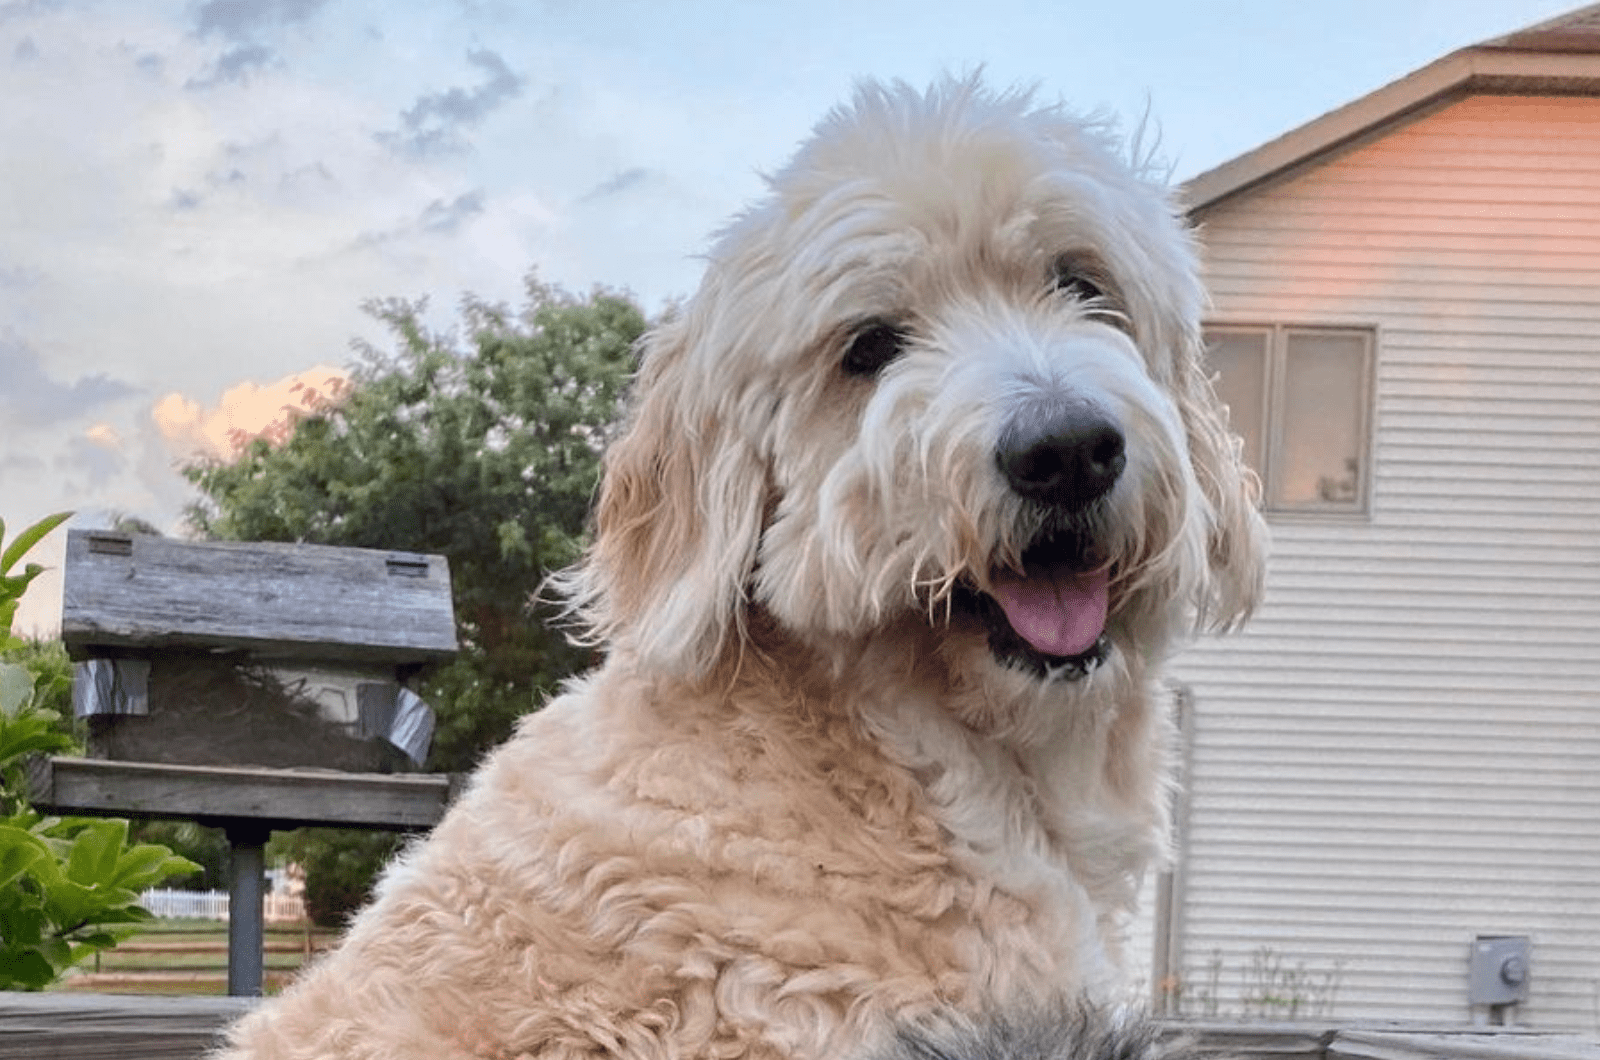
1558 57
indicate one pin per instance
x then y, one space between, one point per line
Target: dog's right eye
873 347
1080 280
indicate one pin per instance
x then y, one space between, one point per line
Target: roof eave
1470 71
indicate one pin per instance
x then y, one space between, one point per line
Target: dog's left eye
873 347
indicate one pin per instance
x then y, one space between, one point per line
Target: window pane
1240 358
1324 408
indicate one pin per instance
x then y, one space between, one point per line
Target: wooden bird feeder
250 687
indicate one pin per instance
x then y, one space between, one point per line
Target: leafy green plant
16 682
69 887
1275 989
26 727
1270 988
206 847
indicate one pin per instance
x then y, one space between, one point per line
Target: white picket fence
213 905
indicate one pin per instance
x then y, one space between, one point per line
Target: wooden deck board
113 1027
56 1026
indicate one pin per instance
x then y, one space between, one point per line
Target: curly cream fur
803 801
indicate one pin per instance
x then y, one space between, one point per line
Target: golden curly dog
917 493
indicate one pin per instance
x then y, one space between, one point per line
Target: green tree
482 444
339 865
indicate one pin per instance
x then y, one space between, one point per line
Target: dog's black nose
1065 458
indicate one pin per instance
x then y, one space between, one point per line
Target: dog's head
950 369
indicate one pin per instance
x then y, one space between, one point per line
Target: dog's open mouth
1049 616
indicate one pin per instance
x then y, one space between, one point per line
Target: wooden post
248 804
246 946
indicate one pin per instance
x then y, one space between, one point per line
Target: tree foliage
482 444
339 864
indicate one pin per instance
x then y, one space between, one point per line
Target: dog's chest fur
768 868
794 865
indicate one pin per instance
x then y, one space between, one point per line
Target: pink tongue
1058 611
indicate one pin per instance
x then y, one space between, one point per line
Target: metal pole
247 866
1167 960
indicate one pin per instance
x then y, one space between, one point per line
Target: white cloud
105 436
246 411
30 395
99 464
438 121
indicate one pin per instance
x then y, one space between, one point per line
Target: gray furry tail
1064 1032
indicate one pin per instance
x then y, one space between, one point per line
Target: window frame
1272 414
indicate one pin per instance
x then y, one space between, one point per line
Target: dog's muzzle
1050 615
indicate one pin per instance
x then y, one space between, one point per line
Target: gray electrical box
1499 970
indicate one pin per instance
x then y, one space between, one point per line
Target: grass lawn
191 957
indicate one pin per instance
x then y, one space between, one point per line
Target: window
1299 397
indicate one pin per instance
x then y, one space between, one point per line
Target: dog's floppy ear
1236 535
678 520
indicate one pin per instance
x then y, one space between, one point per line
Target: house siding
1402 751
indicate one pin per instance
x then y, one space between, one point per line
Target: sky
198 196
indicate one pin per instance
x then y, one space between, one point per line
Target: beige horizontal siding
1403 750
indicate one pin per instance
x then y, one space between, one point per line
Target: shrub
69 887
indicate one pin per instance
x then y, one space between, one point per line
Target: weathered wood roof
131 591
